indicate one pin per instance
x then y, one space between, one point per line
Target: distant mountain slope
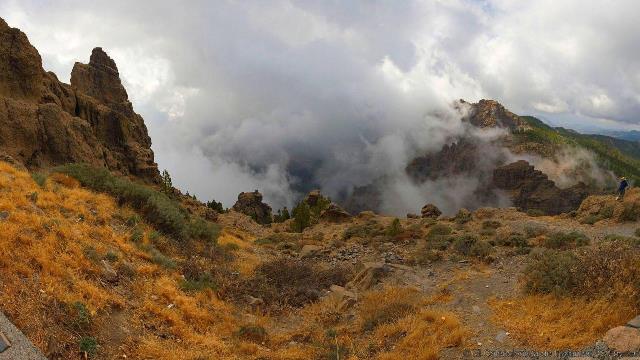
622 157
466 164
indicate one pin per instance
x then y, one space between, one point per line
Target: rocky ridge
44 122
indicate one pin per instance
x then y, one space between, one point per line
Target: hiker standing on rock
621 189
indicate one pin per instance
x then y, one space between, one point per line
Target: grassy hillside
620 156
96 264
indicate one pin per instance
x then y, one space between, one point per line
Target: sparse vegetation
394 228
253 333
561 240
286 283
156 207
39 178
216 205
88 345
368 230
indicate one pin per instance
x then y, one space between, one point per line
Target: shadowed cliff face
44 122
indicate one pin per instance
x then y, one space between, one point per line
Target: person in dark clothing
622 188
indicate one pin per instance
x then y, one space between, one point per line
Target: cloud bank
283 96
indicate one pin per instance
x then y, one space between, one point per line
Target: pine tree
301 217
167 186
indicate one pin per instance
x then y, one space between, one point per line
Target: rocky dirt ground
464 285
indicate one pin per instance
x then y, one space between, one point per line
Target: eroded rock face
250 204
44 122
530 189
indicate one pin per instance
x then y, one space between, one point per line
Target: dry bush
574 296
367 230
562 240
387 305
284 283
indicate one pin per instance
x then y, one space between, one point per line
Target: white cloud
274 94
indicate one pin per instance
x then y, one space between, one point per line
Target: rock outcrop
455 158
490 113
430 211
334 214
530 189
44 122
250 204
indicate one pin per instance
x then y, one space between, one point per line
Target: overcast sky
240 95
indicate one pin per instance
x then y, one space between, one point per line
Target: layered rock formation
530 189
250 204
44 122
491 114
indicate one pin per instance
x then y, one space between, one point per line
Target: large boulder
334 214
250 204
430 211
44 122
530 189
623 339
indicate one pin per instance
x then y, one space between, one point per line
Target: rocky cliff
44 122
530 189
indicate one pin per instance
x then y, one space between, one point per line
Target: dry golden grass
392 323
58 237
549 322
54 244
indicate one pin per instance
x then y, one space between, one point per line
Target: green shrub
551 272
488 232
535 212
88 345
561 240
39 178
154 236
513 240
532 230
462 244
136 235
622 239
82 317
133 220
157 257
428 256
608 269
606 212
481 250
367 230
203 281
630 212
491 224
394 228
590 219
91 253
439 230
463 216
253 333
156 207
111 256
